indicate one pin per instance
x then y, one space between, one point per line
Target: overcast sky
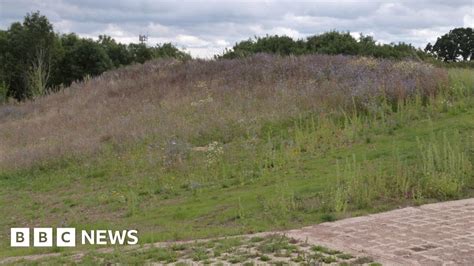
205 28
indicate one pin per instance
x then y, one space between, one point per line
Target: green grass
311 169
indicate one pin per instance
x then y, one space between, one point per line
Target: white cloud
207 52
222 43
427 35
191 41
115 31
157 29
63 26
469 20
355 35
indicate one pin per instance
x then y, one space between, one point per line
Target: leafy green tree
367 41
24 41
457 44
282 45
140 52
82 57
333 42
168 50
241 49
395 51
3 70
117 52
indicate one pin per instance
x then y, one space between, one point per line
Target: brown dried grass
199 100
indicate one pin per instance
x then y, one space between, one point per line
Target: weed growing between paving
274 249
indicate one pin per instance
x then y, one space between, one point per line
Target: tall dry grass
199 101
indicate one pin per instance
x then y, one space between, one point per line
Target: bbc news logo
66 237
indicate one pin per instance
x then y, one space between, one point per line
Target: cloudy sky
207 27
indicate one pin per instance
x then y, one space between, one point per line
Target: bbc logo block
43 237
66 237
20 237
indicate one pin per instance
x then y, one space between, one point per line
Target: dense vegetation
455 46
182 150
332 42
34 59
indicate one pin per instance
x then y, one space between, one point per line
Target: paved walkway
432 234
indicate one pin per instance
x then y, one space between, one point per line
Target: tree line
34 59
457 45
332 42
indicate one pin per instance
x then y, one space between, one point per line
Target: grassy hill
185 150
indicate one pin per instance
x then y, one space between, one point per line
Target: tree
282 45
241 49
332 42
82 57
168 50
39 73
3 70
140 52
457 44
21 45
117 52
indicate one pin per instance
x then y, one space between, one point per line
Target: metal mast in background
143 38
